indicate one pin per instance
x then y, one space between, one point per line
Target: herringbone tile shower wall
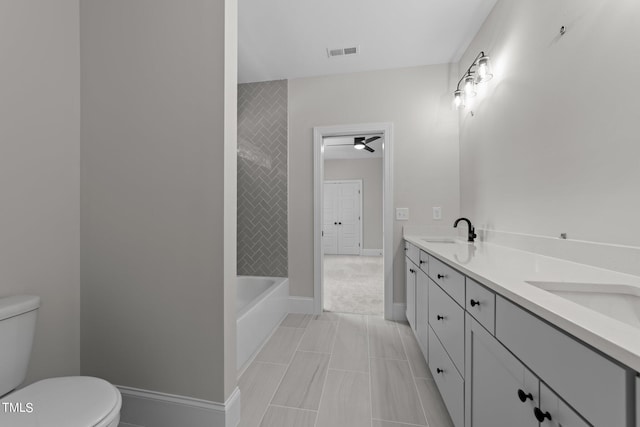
262 179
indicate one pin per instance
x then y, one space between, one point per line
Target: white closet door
349 218
330 227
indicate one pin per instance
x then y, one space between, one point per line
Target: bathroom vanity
517 339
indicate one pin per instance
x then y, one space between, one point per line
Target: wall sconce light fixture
478 72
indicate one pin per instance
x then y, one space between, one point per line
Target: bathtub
261 304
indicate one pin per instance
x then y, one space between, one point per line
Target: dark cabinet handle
524 396
406 249
422 262
339 223
439 317
440 371
541 416
442 276
474 302
412 271
335 223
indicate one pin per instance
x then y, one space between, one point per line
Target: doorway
352 257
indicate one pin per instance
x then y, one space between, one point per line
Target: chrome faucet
472 230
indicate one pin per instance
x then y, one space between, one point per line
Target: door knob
524 396
541 416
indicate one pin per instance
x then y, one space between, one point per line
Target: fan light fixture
478 72
359 144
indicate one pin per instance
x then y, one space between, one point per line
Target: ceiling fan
360 143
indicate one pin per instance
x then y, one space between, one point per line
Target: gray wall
553 146
262 179
418 102
370 172
158 194
40 174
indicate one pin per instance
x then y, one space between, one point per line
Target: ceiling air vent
343 51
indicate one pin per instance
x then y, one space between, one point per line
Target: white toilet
55 402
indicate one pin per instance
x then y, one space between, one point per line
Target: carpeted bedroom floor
353 284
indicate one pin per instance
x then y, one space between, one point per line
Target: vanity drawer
447 321
592 384
412 252
423 263
450 383
448 279
481 304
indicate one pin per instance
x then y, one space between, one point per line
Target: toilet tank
17 326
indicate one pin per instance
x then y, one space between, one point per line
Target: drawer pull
440 371
422 262
524 396
442 276
541 416
412 271
439 317
474 302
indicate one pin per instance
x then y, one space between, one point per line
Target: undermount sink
439 240
620 302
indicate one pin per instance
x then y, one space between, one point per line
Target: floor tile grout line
397 422
283 375
415 383
291 407
326 374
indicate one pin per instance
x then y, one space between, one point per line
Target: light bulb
458 99
469 86
358 145
484 70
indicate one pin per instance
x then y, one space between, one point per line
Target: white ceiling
285 39
342 148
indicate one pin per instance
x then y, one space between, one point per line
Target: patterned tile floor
340 370
353 284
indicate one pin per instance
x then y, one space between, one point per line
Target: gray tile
437 414
328 316
319 337
302 385
346 400
393 393
278 416
380 321
380 423
294 320
385 343
350 350
257 385
281 345
414 355
262 179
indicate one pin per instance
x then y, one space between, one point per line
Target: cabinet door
410 277
495 383
555 413
422 311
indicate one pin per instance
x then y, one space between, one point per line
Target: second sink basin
620 302
439 240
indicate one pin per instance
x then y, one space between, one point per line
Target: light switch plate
437 213
402 214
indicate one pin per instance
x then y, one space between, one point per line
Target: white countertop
506 271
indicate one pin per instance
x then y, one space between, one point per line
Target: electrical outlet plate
437 213
402 214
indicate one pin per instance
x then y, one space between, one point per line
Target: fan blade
358 138
369 149
373 138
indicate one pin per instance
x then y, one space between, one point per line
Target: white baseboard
301 305
144 408
399 312
371 252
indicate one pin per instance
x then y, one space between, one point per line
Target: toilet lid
62 402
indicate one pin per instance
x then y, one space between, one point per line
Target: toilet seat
65 402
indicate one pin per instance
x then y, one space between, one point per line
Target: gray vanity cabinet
559 413
495 383
422 311
411 274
